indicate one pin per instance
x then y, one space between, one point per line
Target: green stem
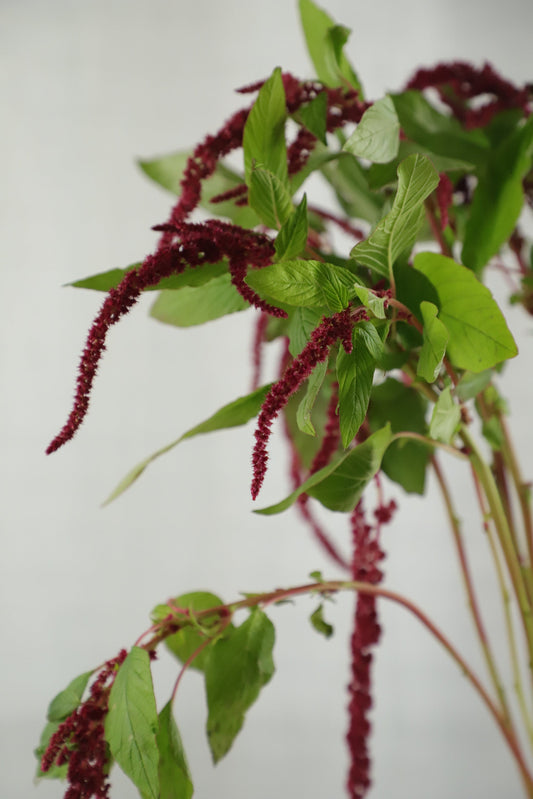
506 601
431 442
472 599
505 537
168 626
521 487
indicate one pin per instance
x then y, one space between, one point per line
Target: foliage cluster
392 353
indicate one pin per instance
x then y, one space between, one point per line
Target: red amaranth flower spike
338 326
257 348
466 82
189 245
80 742
367 555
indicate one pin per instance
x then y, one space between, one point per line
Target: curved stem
333 586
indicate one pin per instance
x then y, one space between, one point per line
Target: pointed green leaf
174 776
269 198
314 116
377 136
237 668
340 484
435 339
405 461
446 418
325 41
292 238
264 132
194 305
312 284
396 233
320 624
168 171
314 384
439 133
498 198
186 641
479 336
355 372
68 700
191 276
234 414
131 723
371 301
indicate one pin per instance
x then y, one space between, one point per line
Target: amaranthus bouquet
392 362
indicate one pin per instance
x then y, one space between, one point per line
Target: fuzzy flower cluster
367 555
188 245
331 329
459 82
183 244
80 742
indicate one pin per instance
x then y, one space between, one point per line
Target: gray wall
86 88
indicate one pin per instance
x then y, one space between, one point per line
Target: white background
87 88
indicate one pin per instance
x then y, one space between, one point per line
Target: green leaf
435 339
368 333
264 132
498 198
186 641
237 668
312 284
292 238
479 336
269 198
54 772
405 461
313 115
340 484
320 624
191 276
314 384
302 322
350 183
68 700
355 372
174 776
234 414
396 232
380 175
446 418
194 305
325 41
371 301
439 133
471 384
131 723
168 171
377 136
